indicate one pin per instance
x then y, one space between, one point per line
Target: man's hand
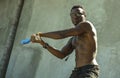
35 38
39 33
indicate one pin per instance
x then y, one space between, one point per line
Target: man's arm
66 50
78 30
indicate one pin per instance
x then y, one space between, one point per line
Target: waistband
86 67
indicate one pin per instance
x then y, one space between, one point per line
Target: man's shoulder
88 26
93 29
86 23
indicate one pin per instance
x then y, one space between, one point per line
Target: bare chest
78 40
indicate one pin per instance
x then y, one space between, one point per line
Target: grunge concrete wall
7 14
32 61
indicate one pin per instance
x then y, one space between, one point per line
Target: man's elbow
62 57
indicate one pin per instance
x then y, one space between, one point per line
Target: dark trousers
87 71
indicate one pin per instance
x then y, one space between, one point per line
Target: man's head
77 14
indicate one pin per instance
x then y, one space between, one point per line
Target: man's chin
76 24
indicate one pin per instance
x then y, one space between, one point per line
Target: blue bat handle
25 41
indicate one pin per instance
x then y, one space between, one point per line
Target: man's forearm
53 51
61 34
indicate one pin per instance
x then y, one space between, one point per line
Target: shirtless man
83 40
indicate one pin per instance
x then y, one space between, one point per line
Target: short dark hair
76 6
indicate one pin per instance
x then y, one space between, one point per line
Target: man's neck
84 20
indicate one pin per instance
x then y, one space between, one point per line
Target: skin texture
83 39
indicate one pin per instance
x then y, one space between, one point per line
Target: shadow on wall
24 20
24 60
33 56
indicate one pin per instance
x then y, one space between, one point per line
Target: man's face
77 15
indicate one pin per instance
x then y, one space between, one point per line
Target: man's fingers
37 37
39 33
33 37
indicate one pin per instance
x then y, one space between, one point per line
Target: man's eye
78 14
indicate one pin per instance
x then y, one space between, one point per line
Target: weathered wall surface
7 14
32 61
